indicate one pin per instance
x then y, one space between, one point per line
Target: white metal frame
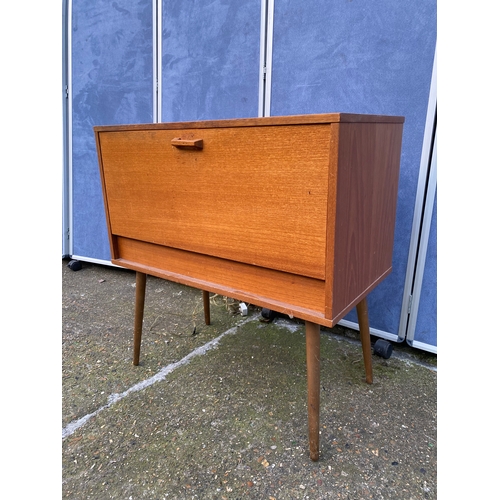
67 180
266 56
64 231
422 215
373 331
422 253
157 57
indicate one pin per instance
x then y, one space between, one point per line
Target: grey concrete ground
219 411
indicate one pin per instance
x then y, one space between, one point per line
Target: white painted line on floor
159 376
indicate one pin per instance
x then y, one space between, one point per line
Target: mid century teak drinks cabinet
291 213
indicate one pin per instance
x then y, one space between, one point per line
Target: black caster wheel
382 348
268 314
75 265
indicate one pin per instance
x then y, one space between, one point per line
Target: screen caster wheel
268 314
382 348
75 265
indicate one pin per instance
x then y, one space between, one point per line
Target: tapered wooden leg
140 293
313 387
364 330
206 306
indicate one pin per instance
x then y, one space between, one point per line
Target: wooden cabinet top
294 213
259 122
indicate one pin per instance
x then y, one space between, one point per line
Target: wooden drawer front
301 296
256 195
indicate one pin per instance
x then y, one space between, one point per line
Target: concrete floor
219 411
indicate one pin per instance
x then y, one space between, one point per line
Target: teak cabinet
293 213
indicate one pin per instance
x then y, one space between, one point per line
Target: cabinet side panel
368 175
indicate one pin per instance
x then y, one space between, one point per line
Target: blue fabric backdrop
112 82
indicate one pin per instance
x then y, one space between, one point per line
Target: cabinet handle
178 142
